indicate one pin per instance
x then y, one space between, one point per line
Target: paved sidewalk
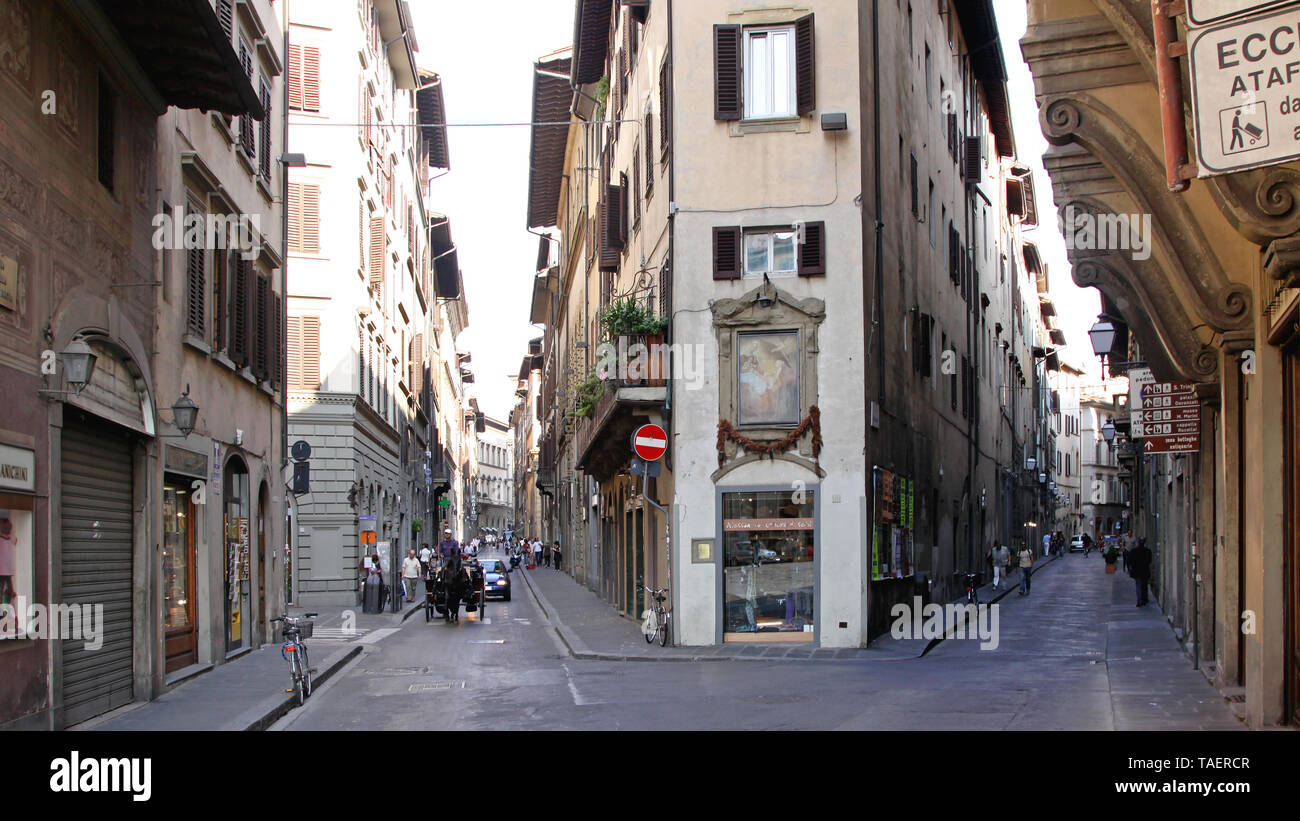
248 692
592 629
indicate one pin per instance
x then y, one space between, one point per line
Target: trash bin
373 602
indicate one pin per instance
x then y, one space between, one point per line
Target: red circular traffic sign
650 442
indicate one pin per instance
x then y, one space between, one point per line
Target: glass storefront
768 538
178 574
236 540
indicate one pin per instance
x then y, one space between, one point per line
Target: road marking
430 686
487 641
579 700
337 633
378 635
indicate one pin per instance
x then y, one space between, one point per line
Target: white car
1076 544
766 555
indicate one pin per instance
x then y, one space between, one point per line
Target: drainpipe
674 635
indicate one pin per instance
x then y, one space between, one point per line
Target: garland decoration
770 448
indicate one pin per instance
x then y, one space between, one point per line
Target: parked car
767 554
496 579
1076 543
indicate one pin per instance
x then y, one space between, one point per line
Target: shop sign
17 468
733 525
185 462
1204 12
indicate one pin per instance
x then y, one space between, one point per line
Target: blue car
496 580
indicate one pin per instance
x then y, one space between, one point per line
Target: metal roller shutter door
96 566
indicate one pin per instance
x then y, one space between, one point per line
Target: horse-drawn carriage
457 581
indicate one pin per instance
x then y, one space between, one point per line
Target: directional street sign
1245 77
1204 12
1172 444
1171 418
1138 378
650 442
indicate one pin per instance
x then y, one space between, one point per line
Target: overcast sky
484 53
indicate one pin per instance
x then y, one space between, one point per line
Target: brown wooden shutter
238 311
264 134
295 216
954 254
247 137
726 73
649 153
636 186
196 275
1031 204
623 203
265 325
812 253
309 369
971 167
417 364
277 340
226 16
664 111
377 255
805 65
611 232
220 301
310 78
726 252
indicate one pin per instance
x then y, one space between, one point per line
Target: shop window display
15 570
768 568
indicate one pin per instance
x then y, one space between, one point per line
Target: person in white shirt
410 573
537 552
425 555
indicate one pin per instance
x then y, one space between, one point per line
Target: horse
456 582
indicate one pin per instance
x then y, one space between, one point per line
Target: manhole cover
399 671
429 686
776 699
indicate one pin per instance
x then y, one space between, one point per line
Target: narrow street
1073 655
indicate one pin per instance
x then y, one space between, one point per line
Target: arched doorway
236 503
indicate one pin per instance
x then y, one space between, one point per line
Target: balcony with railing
602 441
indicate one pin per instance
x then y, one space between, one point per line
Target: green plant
589 393
602 93
624 317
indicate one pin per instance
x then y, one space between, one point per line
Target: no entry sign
649 442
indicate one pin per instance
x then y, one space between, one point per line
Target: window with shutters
303 355
649 153
247 125
304 218
769 252
764 72
304 78
665 111
239 312
196 277
636 188
261 359
378 245
264 131
916 204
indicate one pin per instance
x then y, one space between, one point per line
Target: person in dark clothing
555 552
1139 560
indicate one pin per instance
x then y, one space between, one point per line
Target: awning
979 26
1058 336
551 99
430 104
183 50
541 305
395 29
446 268
591 39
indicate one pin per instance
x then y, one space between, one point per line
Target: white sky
484 53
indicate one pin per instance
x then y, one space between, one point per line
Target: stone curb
272 710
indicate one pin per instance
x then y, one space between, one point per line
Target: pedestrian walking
425 555
546 555
1047 544
410 573
537 552
1140 569
1001 556
1026 564
556 552
1087 544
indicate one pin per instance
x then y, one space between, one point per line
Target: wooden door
1291 427
178 577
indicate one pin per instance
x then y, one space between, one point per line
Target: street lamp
78 364
185 413
1102 336
1108 430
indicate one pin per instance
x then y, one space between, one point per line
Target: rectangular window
929 94
916 205
767 378
769 72
106 133
769 252
768 545
17 558
304 218
929 214
304 353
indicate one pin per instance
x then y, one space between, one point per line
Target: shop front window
15 565
768 569
177 559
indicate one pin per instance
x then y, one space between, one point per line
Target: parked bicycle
972 588
657 618
294 651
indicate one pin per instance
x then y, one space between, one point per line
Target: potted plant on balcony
589 393
626 323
